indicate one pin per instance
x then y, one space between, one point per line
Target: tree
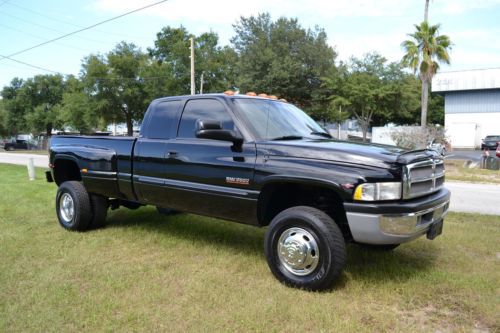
426 11
40 96
116 83
77 109
367 97
216 63
281 57
3 119
423 53
15 110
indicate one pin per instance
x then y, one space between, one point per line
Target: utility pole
192 66
201 83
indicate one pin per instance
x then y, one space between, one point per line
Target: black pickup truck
258 161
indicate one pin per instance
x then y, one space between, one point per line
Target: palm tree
426 11
423 53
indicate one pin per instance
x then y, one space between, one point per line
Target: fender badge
237 180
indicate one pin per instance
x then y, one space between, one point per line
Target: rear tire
99 206
73 207
305 248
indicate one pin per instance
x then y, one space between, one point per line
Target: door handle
171 154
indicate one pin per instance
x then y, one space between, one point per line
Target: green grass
148 272
455 171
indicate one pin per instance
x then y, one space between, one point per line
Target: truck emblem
237 180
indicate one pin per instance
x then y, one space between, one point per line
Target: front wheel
305 248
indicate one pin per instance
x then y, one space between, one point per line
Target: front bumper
395 223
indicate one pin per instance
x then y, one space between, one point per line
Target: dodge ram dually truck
258 161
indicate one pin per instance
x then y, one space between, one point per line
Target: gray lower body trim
382 229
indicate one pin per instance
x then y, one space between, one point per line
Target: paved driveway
41 161
474 198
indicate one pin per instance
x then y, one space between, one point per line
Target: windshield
493 137
273 120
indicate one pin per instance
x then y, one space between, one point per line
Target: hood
347 152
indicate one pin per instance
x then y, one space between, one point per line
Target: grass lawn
148 272
456 171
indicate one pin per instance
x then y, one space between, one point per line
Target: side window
205 109
161 123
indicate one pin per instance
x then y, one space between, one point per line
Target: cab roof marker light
251 93
229 92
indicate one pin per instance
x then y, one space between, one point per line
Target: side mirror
211 129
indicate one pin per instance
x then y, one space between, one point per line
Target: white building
471 105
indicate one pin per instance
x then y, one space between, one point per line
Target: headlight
378 191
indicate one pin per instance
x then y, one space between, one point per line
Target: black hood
347 152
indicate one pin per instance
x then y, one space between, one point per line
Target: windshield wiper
287 137
323 134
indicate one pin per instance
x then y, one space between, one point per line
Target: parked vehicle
498 151
21 141
437 147
490 142
262 162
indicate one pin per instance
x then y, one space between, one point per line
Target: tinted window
160 125
269 119
204 109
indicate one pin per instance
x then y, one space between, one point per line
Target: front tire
305 248
74 210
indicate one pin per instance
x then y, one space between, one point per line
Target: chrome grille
422 178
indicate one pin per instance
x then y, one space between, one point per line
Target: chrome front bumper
394 228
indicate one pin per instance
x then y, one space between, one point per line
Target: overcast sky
354 27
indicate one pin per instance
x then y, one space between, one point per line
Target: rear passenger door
208 176
150 169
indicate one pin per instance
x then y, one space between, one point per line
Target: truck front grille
422 178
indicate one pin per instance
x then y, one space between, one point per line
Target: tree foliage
115 81
281 57
423 53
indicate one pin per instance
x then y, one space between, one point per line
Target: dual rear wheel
79 210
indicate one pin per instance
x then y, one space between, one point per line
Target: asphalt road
465 197
474 198
474 155
41 161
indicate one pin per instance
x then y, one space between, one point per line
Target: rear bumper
396 223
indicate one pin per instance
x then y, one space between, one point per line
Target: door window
204 109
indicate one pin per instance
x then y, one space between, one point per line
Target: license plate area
435 230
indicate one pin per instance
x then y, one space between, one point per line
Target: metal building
471 105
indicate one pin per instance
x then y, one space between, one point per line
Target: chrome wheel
66 208
298 251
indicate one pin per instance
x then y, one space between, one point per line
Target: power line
90 77
38 37
48 28
63 21
83 29
31 65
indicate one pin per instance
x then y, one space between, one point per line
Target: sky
354 27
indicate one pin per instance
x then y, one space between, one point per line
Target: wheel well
65 170
277 197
